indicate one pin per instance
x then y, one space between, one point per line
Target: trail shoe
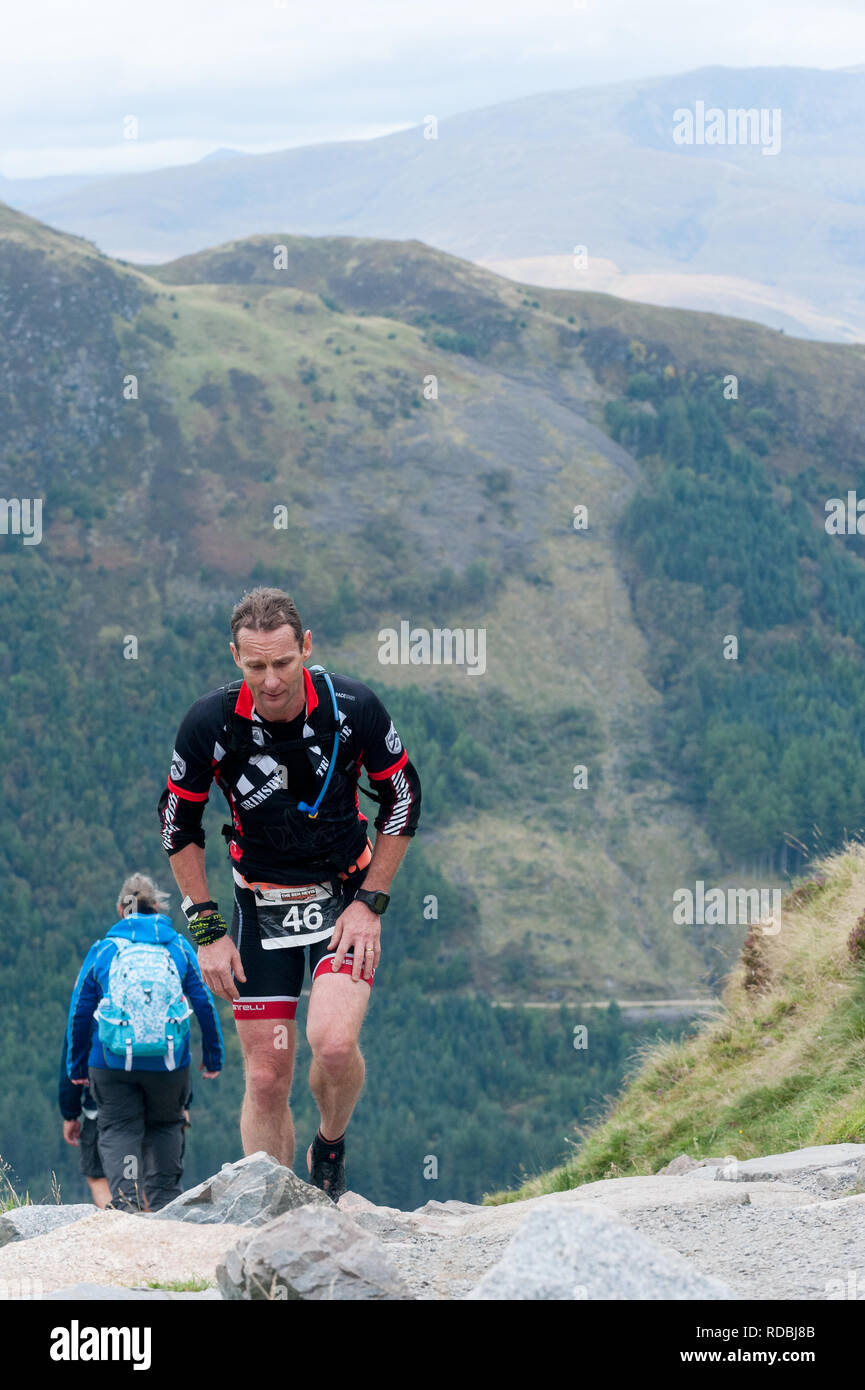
325 1160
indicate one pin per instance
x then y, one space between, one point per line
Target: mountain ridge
501 197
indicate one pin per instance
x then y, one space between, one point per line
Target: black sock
328 1146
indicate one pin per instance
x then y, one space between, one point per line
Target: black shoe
326 1164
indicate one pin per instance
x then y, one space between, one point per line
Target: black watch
191 909
376 902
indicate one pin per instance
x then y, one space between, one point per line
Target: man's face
272 666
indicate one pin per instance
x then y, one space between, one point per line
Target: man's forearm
386 859
187 865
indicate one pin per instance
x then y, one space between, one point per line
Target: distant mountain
777 237
35 192
222 153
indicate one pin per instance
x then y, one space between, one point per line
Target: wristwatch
191 909
376 902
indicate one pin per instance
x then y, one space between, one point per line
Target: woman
137 983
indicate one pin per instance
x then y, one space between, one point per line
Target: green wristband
205 930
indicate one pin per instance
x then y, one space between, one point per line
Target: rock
799 1163
681 1164
451 1207
574 1252
386 1225
107 1293
312 1253
23 1223
840 1179
116 1249
250 1192
352 1202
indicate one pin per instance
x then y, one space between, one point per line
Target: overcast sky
266 74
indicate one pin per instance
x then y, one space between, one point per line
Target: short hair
264 610
140 894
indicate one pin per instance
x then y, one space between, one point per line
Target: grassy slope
779 1069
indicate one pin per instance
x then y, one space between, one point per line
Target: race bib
294 914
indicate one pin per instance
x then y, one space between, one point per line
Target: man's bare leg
268 1059
99 1191
337 1005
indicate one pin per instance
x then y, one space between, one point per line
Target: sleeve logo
392 740
178 767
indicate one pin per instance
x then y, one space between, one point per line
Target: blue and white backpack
145 1012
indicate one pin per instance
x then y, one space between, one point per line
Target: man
286 747
137 983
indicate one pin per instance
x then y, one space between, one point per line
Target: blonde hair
140 894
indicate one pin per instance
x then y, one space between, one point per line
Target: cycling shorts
275 939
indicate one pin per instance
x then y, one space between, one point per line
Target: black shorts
275 972
91 1163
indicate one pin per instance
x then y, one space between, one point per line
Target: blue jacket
92 984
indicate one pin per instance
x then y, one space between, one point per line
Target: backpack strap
237 742
239 745
239 748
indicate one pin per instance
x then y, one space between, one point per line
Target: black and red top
271 840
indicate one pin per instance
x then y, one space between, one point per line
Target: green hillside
780 1068
169 417
450 512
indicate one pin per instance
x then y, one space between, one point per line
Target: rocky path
783 1227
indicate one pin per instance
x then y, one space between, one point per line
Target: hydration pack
240 745
145 1012
337 818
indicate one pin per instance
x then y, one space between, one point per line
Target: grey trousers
141 1133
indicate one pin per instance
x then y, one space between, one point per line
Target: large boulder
23 1223
573 1252
250 1192
315 1253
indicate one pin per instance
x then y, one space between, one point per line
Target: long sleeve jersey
270 840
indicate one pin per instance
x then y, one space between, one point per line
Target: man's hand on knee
220 965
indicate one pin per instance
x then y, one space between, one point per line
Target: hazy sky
265 74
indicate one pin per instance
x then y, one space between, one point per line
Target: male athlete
285 746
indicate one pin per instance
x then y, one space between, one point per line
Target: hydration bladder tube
312 811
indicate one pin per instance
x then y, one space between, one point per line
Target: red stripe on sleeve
389 771
187 796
